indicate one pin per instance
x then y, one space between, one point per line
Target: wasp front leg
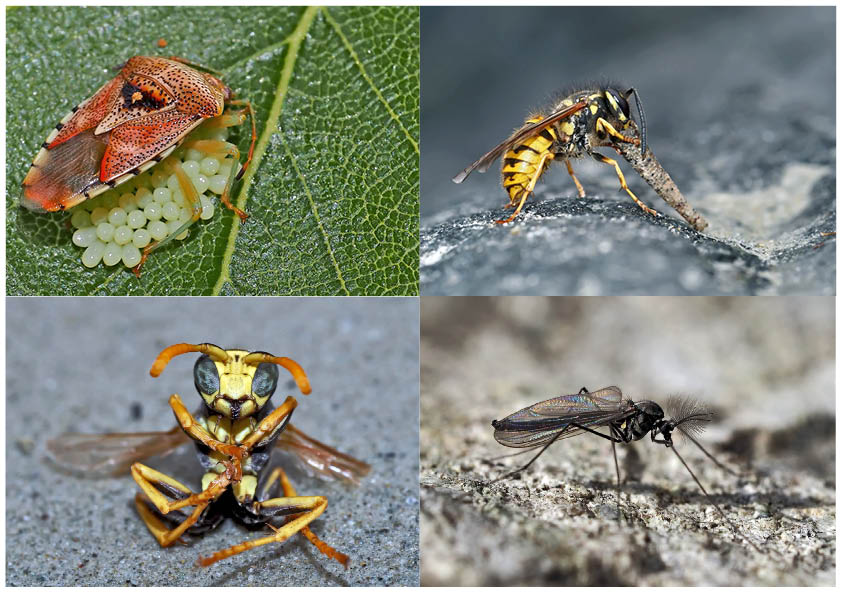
623 185
195 430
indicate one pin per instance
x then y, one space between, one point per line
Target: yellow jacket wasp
234 433
572 128
542 424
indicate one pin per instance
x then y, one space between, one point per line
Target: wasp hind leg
302 509
623 185
530 186
156 486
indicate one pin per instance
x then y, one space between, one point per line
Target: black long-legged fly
542 424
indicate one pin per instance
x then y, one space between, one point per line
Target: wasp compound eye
206 376
618 103
265 380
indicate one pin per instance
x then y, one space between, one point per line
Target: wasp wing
540 423
320 459
519 135
104 455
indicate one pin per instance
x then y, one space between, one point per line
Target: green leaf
332 192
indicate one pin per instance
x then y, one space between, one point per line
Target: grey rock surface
767 367
82 365
739 111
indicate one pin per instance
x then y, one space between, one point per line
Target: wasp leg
603 127
575 179
546 157
623 184
314 505
173 166
153 482
289 492
193 429
268 426
221 149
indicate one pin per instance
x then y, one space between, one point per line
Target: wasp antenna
719 510
291 366
639 104
213 351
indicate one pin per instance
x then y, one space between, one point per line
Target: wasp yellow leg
545 158
173 166
193 429
221 149
269 424
575 179
623 184
602 125
315 505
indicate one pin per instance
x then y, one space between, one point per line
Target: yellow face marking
594 109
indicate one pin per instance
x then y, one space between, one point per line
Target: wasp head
235 388
618 104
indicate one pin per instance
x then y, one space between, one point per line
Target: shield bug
133 122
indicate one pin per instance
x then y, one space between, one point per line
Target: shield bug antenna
542 424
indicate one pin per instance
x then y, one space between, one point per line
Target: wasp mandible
234 433
579 123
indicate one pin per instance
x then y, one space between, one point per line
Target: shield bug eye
206 376
265 380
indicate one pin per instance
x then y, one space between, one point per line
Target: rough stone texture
766 366
83 365
738 113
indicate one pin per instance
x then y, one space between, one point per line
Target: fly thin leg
532 460
617 468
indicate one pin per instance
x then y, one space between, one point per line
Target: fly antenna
719 510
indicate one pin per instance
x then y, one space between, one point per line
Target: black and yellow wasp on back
577 124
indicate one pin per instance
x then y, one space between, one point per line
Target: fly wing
521 134
320 459
540 423
104 455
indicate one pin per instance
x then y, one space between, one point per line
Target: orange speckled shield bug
130 124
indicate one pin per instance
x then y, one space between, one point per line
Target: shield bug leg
623 184
250 110
221 149
173 167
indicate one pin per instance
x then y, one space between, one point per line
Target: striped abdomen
520 163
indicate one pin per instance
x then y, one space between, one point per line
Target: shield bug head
131 124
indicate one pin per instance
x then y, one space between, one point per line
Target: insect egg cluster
118 224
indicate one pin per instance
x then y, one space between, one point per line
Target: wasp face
235 389
618 105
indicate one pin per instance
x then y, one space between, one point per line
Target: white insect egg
99 215
93 254
80 218
191 168
136 219
116 216
141 238
105 231
112 255
158 230
171 211
131 255
123 235
153 211
84 237
209 166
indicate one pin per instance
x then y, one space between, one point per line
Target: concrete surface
82 365
766 365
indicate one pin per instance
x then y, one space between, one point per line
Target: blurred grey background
740 110
82 365
766 365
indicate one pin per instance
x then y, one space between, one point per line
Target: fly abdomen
521 162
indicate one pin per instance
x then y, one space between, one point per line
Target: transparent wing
519 135
104 455
539 423
319 459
